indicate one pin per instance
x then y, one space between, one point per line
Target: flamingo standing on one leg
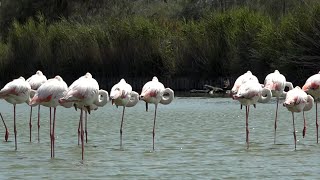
312 87
248 94
85 92
154 92
35 82
276 82
16 92
48 95
296 101
121 94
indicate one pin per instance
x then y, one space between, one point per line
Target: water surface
196 138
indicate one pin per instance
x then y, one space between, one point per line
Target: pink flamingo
121 94
248 94
35 82
248 76
296 101
312 87
85 92
276 82
48 95
16 92
155 93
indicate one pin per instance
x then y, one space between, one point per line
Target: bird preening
84 94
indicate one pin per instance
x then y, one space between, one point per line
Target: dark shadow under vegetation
188 40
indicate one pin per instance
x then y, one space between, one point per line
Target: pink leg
294 132
38 123
53 127
14 126
121 127
154 124
81 124
317 125
50 134
85 125
79 130
30 124
275 121
7 132
304 125
247 126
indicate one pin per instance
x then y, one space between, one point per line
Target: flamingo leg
275 121
85 125
247 126
146 106
154 124
81 125
294 132
304 125
53 127
79 130
7 132
30 124
121 127
39 123
50 134
14 126
317 125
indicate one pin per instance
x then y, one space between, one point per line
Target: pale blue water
196 138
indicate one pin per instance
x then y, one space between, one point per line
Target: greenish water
196 138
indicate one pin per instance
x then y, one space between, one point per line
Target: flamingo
296 101
276 82
85 92
35 82
154 92
241 80
248 76
312 87
16 92
121 94
48 95
248 94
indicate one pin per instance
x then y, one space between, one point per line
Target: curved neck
167 99
289 85
309 104
265 95
103 98
134 99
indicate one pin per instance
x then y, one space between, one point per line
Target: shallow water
196 138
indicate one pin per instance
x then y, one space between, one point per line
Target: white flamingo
35 82
277 82
296 101
16 92
155 93
121 94
248 94
85 92
48 95
312 87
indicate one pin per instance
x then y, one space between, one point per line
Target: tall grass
218 44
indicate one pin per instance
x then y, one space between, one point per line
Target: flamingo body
121 94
